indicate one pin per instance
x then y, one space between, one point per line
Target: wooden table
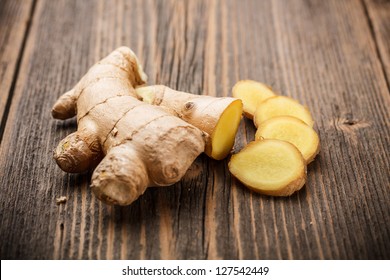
333 56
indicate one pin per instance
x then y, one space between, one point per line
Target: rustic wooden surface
14 18
333 56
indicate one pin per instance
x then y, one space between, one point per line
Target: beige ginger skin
133 144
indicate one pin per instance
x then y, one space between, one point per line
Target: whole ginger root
134 144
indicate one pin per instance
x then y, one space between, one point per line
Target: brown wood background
333 56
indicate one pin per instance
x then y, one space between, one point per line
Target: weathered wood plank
14 22
328 61
379 16
319 52
32 224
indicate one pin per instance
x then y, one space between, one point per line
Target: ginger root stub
219 117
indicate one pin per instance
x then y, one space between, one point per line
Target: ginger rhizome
272 167
274 164
292 130
133 144
281 106
251 93
219 117
136 136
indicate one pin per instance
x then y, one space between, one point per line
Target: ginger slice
292 130
281 106
251 93
223 136
271 167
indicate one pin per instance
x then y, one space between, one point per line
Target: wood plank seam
375 39
17 68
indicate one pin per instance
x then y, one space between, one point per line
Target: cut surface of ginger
251 93
292 130
281 106
223 136
271 167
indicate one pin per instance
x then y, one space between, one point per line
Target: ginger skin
219 117
134 144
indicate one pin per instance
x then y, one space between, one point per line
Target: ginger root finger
281 106
218 117
251 93
271 167
140 145
65 107
75 155
121 177
120 67
294 131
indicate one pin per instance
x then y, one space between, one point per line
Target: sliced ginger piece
271 167
251 93
281 106
292 130
223 136
218 117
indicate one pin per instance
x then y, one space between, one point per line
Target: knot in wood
350 122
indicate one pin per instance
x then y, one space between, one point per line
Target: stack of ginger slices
285 142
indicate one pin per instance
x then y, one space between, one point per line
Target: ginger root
134 144
271 167
281 106
219 117
292 130
274 164
251 93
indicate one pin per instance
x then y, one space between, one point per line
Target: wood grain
378 13
322 53
14 23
